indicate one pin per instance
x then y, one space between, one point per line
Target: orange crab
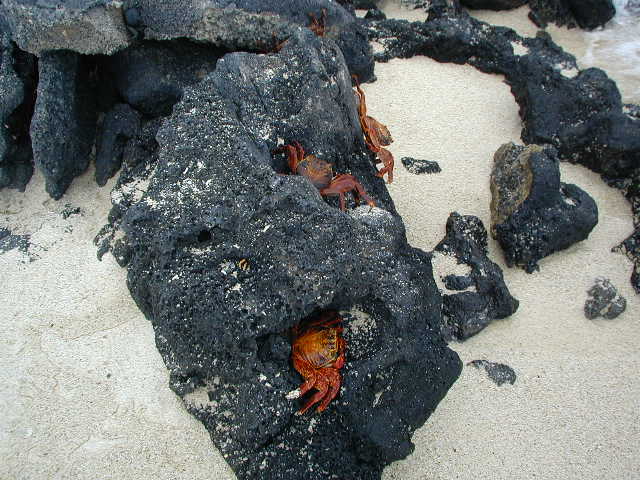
320 173
317 25
376 135
318 353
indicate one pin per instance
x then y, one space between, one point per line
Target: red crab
320 173
317 25
376 135
317 354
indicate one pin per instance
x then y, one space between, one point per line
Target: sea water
616 49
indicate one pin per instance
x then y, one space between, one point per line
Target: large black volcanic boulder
64 121
587 14
533 214
17 84
253 25
471 301
222 325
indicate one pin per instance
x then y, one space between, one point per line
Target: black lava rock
257 25
63 124
150 76
604 301
118 126
499 373
418 167
533 214
375 14
579 112
492 4
482 294
17 82
587 14
222 326
83 26
9 241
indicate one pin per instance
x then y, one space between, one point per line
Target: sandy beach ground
84 393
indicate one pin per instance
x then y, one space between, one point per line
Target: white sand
68 321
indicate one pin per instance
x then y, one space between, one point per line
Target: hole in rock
204 236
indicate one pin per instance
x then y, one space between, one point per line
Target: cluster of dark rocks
189 100
577 112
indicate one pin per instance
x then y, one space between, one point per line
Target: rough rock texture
482 294
499 373
418 167
492 4
119 125
63 124
17 84
533 214
604 301
151 75
83 26
579 112
587 14
215 198
253 25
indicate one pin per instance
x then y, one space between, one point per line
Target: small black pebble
498 372
418 167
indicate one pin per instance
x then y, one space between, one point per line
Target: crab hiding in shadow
318 25
318 354
376 135
320 173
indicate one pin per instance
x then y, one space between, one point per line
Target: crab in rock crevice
376 135
320 173
317 353
318 25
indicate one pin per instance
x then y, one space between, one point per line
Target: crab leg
334 388
323 388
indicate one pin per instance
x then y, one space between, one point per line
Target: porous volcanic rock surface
533 214
604 301
216 197
587 14
471 301
17 83
580 112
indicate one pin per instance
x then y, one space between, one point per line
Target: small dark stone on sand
9 241
499 373
604 301
418 167
69 210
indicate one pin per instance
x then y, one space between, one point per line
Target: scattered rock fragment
9 241
604 301
499 373
533 214
481 295
418 167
